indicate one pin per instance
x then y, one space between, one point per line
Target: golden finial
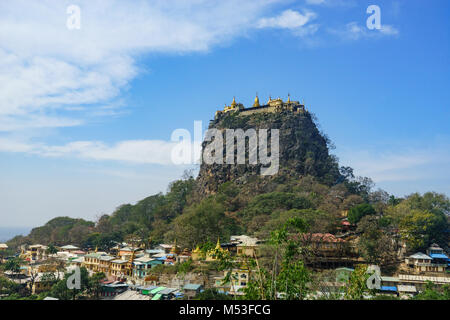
218 243
256 104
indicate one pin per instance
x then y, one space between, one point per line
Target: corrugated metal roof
389 279
438 256
192 286
388 288
156 290
167 291
419 255
157 297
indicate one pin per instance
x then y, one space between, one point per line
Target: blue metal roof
438 256
388 288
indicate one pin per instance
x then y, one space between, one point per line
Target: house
142 265
418 262
238 281
440 259
184 256
119 268
113 288
245 245
165 247
98 262
34 253
323 243
190 290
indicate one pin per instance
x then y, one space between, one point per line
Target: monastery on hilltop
275 105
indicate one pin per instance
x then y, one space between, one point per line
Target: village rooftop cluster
128 268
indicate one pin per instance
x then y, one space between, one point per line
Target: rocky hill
303 151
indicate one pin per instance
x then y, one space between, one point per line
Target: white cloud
46 68
400 165
332 3
388 30
288 19
354 31
128 151
131 151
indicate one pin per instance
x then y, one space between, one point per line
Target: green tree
374 244
432 292
288 278
13 265
420 228
356 213
356 287
202 222
51 249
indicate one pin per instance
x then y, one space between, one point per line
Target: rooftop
70 247
192 286
419 255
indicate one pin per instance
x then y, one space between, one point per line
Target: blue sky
86 115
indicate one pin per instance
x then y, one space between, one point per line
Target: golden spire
289 98
256 104
270 98
96 249
233 104
218 247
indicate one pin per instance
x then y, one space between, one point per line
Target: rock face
302 151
